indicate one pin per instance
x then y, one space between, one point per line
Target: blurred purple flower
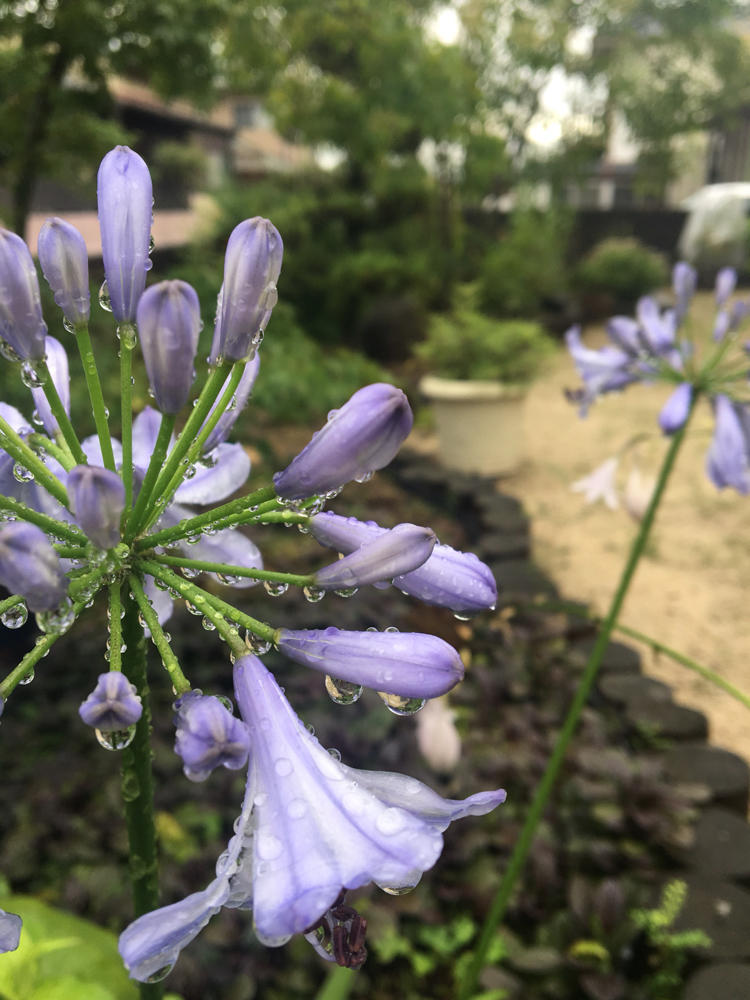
208 735
113 704
30 566
22 325
361 437
675 411
728 462
10 931
65 264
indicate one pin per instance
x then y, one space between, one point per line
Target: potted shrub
479 371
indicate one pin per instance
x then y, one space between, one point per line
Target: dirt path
692 589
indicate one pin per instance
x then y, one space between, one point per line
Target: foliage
466 344
526 270
623 269
178 163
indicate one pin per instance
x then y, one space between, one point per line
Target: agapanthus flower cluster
139 518
659 344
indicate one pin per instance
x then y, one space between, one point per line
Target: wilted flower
65 264
600 484
437 737
639 489
30 566
22 325
97 499
113 704
169 322
361 437
383 557
208 736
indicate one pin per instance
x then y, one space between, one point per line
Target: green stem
337 985
17 448
93 383
138 785
187 435
545 786
62 455
50 525
10 602
70 551
199 597
63 420
42 646
115 627
282 517
154 467
180 683
126 332
227 569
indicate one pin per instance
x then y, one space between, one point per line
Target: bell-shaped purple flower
22 325
10 931
606 370
169 322
728 459
208 736
675 411
658 328
97 500
114 703
57 363
361 437
125 201
227 420
684 283
30 566
309 827
248 293
395 552
449 578
65 265
410 664
726 279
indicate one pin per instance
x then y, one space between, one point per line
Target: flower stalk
94 387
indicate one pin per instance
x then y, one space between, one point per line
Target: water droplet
274 589
228 580
342 692
28 678
190 472
283 767
226 702
126 335
296 809
30 377
313 594
255 644
104 300
36 419
346 591
57 621
21 474
389 821
160 584
115 739
193 539
15 617
402 891
190 572
336 754
208 625
192 609
400 705
461 618
131 788
364 478
390 628
151 243
156 977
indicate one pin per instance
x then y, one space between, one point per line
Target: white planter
479 424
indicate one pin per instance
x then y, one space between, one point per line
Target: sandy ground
692 588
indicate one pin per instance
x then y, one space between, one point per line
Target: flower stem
17 448
154 467
63 420
115 627
93 383
127 343
227 569
138 785
58 529
62 455
546 785
171 664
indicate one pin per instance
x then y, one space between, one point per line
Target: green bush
465 344
622 269
526 271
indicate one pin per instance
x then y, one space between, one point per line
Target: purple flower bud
449 578
57 362
97 500
30 566
248 293
65 264
228 418
125 201
684 282
22 325
728 459
722 324
113 704
208 735
10 931
726 280
169 322
391 554
675 411
405 663
364 435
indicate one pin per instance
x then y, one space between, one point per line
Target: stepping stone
624 688
666 719
727 981
618 658
721 846
722 911
498 546
726 775
520 578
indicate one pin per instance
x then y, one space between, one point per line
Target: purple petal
113 704
145 432
64 261
727 459
393 553
675 411
97 500
684 282
169 322
228 471
228 546
361 437
30 566
228 418
208 736
22 325
410 664
92 449
10 931
161 601
125 199
726 281
624 332
57 362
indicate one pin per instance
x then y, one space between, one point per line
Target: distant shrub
623 270
526 272
466 344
